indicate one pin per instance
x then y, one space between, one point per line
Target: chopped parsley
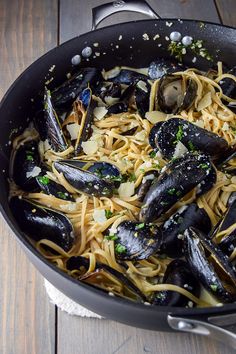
204 166
119 248
111 237
117 178
191 146
178 193
178 50
179 134
171 191
164 203
62 195
44 180
140 226
132 177
142 170
152 154
29 158
108 214
213 287
160 295
105 191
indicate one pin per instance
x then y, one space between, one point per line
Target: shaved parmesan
180 150
90 147
204 102
141 135
99 216
225 126
111 100
34 173
100 112
111 73
155 116
73 129
126 189
142 85
199 123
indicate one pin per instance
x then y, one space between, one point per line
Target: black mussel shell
123 104
177 273
153 134
173 95
55 134
228 85
127 77
136 241
227 243
173 229
231 199
209 265
178 179
84 180
141 96
39 222
161 67
193 137
26 160
64 95
50 187
146 183
223 163
106 274
85 98
109 89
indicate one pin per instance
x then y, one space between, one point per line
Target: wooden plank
79 335
227 11
28 29
75 15
94 336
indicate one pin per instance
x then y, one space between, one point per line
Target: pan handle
101 12
205 328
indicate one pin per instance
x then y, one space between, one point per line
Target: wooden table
29 323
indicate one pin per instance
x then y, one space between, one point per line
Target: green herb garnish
191 146
139 226
29 158
62 195
171 191
142 170
119 248
111 237
179 134
213 287
178 193
108 214
132 177
44 180
204 166
164 203
152 154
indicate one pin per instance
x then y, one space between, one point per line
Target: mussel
40 222
209 265
146 183
174 94
84 107
50 187
123 104
161 67
153 134
227 242
55 134
178 178
105 278
107 90
136 241
127 77
173 229
141 96
177 273
64 95
228 85
193 137
25 165
93 178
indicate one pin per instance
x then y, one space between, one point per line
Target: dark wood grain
75 15
227 11
28 29
79 335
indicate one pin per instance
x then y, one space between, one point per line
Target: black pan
17 108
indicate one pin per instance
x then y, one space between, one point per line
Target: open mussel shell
153 134
128 77
85 98
174 94
25 162
178 178
55 135
192 136
146 183
39 222
91 180
50 187
227 243
228 85
107 90
123 104
64 95
173 229
209 265
177 273
136 241
161 67
105 278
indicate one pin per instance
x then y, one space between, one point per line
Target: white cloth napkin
66 304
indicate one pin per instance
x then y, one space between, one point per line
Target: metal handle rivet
182 325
